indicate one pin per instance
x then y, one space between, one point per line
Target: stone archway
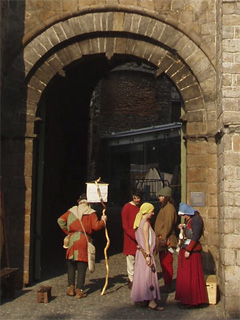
112 33
165 47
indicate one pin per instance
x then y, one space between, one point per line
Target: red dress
190 283
129 213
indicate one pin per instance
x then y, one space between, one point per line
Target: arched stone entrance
136 34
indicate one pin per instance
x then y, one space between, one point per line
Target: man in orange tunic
76 255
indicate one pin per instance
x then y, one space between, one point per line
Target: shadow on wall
13 133
208 262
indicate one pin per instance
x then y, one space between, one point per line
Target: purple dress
145 281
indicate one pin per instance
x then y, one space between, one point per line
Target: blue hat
185 209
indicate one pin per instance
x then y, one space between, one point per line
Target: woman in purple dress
145 287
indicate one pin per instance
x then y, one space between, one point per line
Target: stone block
236 143
69 5
191 92
194 104
194 174
212 174
120 45
229 8
211 225
148 4
231 241
162 5
130 2
237 226
227 57
237 173
212 161
228 32
230 20
228 172
228 199
186 81
238 257
232 274
212 212
174 68
197 147
232 159
237 199
227 257
232 291
213 239
186 16
166 62
197 161
231 212
232 68
119 20
178 4
231 92
212 200
194 116
232 307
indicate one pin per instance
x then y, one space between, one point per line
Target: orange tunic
69 223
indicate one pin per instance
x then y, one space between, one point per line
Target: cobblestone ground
114 304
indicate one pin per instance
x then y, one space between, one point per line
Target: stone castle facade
195 43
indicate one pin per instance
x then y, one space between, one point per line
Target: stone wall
229 154
194 18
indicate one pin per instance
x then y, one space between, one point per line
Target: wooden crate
8 282
44 294
211 285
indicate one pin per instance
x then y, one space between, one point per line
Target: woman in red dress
190 284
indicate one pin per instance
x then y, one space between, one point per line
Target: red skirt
190 283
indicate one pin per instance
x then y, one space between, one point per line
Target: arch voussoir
59 32
33 94
190 92
37 83
177 64
165 64
185 79
55 63
164 46
194 104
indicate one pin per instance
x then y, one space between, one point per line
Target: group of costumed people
142 242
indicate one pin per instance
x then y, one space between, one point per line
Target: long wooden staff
107 237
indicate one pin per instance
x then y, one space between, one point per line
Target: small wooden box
8 279
44 294
211 285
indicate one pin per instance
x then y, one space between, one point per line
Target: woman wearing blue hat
190 283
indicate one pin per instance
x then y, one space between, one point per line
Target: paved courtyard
114 304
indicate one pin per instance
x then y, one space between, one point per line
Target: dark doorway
65 131
62 160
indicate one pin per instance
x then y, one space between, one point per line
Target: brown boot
71 291
80 294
